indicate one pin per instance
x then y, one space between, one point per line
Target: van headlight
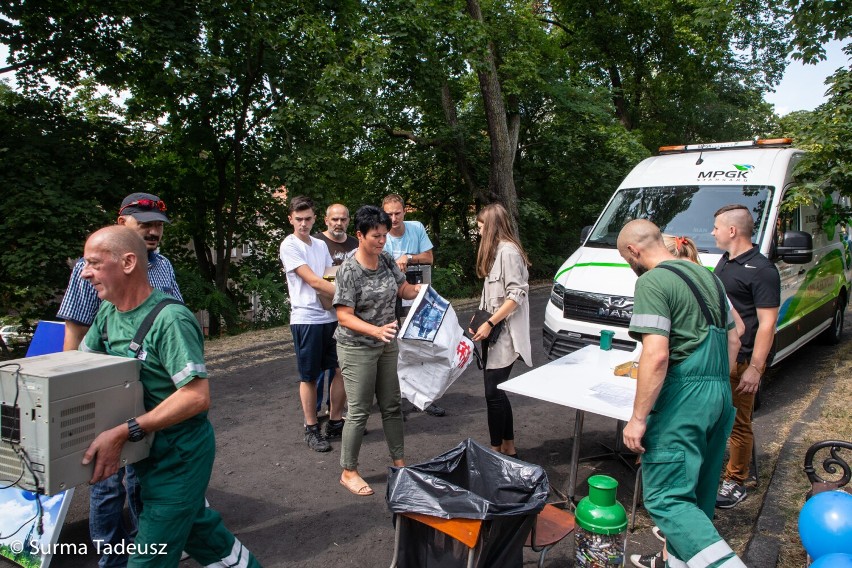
557 295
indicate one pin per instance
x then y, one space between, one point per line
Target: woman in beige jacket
502 262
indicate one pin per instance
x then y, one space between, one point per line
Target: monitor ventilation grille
77 426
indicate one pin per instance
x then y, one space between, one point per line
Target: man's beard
338 234
638 269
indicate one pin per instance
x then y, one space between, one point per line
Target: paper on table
618 396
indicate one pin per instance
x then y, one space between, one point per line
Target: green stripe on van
606 264
583 264
806 297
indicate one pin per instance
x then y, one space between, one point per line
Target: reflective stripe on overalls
685 446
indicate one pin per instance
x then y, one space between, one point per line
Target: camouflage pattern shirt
372 294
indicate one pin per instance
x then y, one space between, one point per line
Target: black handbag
479 318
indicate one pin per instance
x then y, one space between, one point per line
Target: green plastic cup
606 339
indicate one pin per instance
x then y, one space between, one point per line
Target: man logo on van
739 173
616 307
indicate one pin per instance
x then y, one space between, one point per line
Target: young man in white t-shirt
305 259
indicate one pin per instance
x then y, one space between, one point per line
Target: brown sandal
356 488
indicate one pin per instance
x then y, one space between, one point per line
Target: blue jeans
324 377
106 513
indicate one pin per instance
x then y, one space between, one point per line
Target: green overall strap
136 343
704 309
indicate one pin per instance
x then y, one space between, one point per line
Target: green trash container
601 535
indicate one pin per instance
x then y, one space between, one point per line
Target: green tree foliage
64 166
228 108
814 23
203 80
824 132
679 72
428 136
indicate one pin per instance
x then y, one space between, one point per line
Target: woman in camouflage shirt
368 284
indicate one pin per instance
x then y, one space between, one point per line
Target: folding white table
583 380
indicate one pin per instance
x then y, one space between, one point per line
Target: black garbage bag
469 482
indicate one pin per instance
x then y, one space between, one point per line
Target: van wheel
831 336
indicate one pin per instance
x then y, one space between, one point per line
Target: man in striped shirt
145 214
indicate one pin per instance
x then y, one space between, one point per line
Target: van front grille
605 309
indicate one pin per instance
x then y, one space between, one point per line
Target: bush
450 282
272 304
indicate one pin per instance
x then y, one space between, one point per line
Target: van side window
788 220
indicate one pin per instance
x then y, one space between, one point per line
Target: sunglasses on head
145 204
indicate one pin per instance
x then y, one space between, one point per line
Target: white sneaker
647 560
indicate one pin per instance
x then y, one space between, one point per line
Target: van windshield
680 210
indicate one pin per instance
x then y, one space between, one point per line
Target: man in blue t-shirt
408 243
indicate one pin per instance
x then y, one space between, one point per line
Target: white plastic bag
433 350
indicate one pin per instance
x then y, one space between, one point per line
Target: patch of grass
834 423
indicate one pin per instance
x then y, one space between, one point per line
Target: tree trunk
501 180
459 149
619 100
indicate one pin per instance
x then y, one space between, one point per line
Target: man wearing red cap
145 214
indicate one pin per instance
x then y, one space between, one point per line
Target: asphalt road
285 503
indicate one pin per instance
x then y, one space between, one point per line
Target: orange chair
465 531
551 525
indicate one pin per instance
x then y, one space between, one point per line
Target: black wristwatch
136 433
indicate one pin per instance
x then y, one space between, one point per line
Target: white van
679 190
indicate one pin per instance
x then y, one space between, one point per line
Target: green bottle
602 521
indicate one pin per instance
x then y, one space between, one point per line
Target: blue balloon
825 524
28 495
836 560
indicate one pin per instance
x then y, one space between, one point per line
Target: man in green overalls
174 477
682 414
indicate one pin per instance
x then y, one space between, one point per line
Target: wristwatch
136 433
410 258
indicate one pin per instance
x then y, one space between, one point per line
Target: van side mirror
584 234
796 248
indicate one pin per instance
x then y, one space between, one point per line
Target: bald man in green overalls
683 413
174 477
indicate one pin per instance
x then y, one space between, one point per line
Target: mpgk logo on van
738 174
